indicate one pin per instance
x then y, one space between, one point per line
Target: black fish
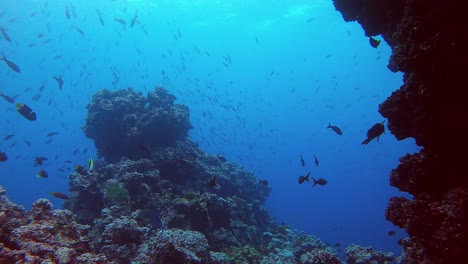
303 178
133 20
374 132
39 160
264 182
11 64
42 174
100 17
81 170
320 181
80 31
7 98
59 195
374 42
121 21
27 143
59 81
67 13
316 160
221 158
3 156
7 137
391 233
335 128
5 35
302 161
213 181
52 134
26 111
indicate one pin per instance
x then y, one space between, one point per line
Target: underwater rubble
155 208
429 46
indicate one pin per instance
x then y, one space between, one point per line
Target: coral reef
43 235
367 255
126 124
156 209
428 44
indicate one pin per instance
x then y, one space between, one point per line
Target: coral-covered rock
179 246
43 235
442 233
126 124
367 255
429 45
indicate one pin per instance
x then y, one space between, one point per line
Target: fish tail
329 125
315 182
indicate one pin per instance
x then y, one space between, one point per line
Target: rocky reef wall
428 41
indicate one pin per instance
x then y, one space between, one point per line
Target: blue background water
296 65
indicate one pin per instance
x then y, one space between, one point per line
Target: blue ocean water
262 79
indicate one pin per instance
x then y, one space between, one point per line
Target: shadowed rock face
125 123
429 43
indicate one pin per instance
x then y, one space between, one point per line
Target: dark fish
42 174
68 161
337 245
5 35
132 23
3 156
59 195
59 81
320 181
80 31
221 158
52 134
310 20
7 137
81 170
11 64
303 178
26 111
150 217
76 151
374 132
213 181
121 21
302 161
264 182
39 160
316 160
374 42
27 143
100 17
67 13
7 98
336 129
391 233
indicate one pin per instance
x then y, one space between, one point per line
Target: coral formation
43 235
157 209
428 44
126 124
356 254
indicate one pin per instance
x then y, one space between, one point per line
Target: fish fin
329 125
378 138
366 141
315 182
